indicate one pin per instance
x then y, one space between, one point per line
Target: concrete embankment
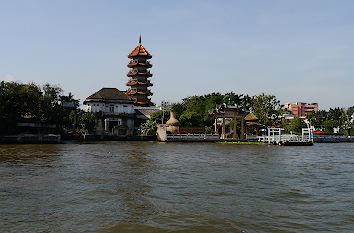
332 138
30 139
92 137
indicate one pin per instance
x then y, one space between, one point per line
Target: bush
351 132
148 128
296 125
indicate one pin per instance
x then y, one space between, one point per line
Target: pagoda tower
139 76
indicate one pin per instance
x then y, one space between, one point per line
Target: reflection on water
176 187
23 153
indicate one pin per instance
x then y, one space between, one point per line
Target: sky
298 50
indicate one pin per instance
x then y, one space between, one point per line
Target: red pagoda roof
139 51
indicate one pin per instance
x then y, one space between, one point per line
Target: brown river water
176 187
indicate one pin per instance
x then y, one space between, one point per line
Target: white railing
275 136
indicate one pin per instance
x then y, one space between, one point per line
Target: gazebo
252 123
231 112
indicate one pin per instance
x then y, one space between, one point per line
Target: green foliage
268 109
178 108
285 123
18 101
209 129
190 118
29 103
51 109
148 128
194 110
157 116
351 133
86 121
329 125
296 125
350 111
335 117
316 119
199 106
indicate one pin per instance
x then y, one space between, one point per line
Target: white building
114 112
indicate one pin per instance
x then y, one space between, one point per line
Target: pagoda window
111 108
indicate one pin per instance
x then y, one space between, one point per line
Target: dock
277 138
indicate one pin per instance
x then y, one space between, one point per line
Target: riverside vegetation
43 105
193 111
30 102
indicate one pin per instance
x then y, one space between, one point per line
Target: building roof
145 112
109 94
251 117
139 51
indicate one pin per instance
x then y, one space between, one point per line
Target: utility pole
163 111
164 105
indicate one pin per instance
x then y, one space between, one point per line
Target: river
176 187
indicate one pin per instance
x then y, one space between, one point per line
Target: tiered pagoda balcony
135 72
134 63
142 102
135 82
135 91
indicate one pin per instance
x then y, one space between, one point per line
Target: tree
29 103
17 102
243 102
157 116
316 119
69 113
86 122
268 109
350 111
296 125
51 109
148 128
329 125
285 123
335 114
190 118
198 105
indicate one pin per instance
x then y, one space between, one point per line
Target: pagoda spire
140 39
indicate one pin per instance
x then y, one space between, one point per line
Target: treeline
31 103
44 104
339 118
194 111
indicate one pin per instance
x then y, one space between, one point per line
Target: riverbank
56 138
332 138
30 139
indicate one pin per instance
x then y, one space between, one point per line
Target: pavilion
229 112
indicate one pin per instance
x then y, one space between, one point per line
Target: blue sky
298 50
